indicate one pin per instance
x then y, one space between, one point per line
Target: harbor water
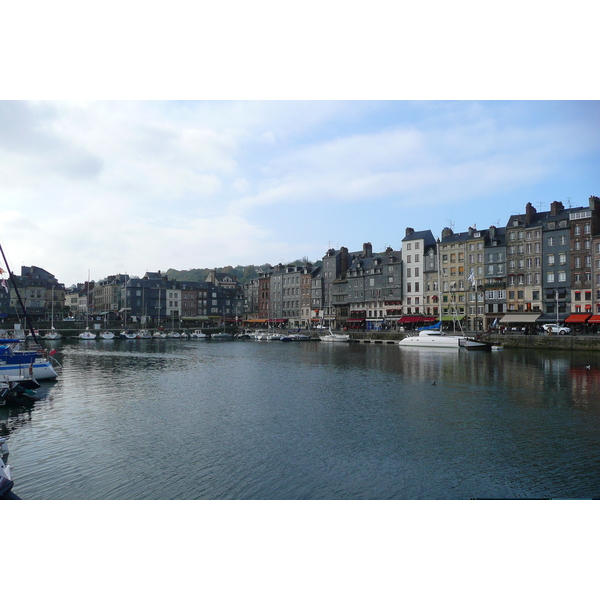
190 419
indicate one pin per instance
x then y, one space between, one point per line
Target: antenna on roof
569 201
450 223
540 206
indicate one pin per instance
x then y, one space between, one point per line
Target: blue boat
16 364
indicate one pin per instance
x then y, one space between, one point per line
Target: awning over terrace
578 318
417 319
520 318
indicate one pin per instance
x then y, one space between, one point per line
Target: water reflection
311 420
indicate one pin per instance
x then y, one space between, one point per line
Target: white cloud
134 186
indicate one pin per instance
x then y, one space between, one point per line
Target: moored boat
198 335
52 335
18 364
144 334
434 338
87 335
107 335
334 337
222 335
128 334
295 337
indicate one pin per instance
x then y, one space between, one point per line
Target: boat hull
39 370
451 343
335 338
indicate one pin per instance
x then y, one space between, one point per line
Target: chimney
409 231
367 250
446 232
492 232
556 207
530 212
594 203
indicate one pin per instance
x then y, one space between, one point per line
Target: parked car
560 329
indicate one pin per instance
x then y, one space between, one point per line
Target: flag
52 352
4 285
2 270
471 278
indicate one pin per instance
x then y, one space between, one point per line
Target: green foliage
242 273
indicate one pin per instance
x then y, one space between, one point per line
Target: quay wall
541 342
546 342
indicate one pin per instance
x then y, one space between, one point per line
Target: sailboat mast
12 280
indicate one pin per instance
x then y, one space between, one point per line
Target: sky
131 186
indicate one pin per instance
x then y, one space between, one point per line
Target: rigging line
12 280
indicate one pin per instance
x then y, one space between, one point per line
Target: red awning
577 318
594 319
417 319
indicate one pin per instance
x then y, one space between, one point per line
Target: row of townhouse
156 300
40 292
152 299
350 289
542 266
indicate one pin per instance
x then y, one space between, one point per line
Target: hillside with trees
242 273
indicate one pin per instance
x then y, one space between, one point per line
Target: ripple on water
306 421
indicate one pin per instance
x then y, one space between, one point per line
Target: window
550 277
562 259
550 259
550 241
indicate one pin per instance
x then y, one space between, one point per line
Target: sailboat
23 365
173 333
52 334
331 336
87 334
159 333
126 334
